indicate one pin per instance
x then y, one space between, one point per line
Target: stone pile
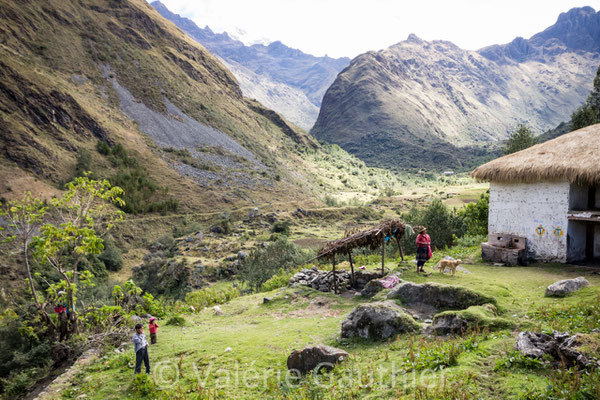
321 280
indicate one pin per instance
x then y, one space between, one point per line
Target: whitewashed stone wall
536 211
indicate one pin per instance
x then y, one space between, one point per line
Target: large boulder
318 357
473 318
378 321
439 296
566 286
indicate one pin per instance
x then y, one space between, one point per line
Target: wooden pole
351 266
382 255
400 248
335 287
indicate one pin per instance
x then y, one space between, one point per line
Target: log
400 248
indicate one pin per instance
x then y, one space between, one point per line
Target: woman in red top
423 249
153 327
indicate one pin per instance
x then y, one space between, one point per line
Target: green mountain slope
75 73
418 102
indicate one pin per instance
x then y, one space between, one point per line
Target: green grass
261 336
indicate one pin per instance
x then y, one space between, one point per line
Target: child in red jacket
153 327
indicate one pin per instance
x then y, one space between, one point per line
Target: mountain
112 87
285 79
420 103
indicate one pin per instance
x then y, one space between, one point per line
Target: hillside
287 80
419 100
76 74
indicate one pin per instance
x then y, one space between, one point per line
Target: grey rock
439 296
189 239
566 286
378 321
448 324
372 288
560 346
318 357
253 213
242 255
267 300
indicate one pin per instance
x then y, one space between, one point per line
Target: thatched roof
371 238
573 157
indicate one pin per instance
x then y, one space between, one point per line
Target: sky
347 28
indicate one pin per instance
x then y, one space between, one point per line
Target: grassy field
242 353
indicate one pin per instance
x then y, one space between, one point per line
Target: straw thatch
371 238
573 157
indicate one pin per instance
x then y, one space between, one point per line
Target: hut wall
536 211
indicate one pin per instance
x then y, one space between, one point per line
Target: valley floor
242 353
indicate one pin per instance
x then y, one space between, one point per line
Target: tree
475 215
583 116
23 219
520 139
80 217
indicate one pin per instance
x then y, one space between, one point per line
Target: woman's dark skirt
422 253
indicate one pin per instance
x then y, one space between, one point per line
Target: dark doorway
589 241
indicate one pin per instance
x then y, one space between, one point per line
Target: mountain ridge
433 95
269 66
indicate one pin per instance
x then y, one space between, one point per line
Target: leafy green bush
282 227
262 264
176 320
280 279
475 215
211 296
442 224
111 256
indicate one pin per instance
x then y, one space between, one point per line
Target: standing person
141 349
153 327
423 249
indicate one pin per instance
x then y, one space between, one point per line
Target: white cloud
350 27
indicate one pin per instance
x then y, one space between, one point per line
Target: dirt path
65 379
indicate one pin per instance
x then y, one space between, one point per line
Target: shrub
262 264
176 320
111 256
475 215
282 227
442 224
280 279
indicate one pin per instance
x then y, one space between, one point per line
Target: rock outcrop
560 346
378 321
439 296
472 319
566 286
316 357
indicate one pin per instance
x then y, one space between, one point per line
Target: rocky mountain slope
418 103
287 80
81 81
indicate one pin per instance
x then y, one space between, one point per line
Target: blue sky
349 27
